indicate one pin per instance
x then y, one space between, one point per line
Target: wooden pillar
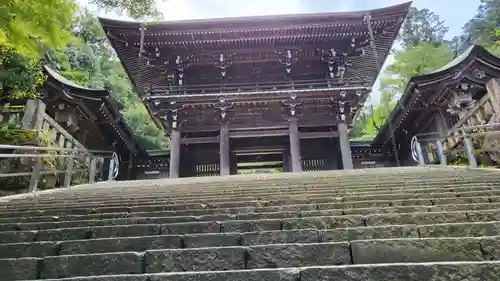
175 153
345 148
225 168
286 161
493 88
295 146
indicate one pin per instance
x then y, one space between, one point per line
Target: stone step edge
466 214
307 230
349 253
333 199
234 216
270 245
111 201
439 270
312 175
215 190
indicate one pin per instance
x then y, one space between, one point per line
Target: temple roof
476 65
148 55
97 105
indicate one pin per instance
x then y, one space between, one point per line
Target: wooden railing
474 138
59 160
480 114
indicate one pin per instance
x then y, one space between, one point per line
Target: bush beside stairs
387 224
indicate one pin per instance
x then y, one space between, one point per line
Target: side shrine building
280 90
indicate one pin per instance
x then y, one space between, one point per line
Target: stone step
437 271
360 207
224 215
256 203
141 244
324 222
269 195
252 183
408 250
194 192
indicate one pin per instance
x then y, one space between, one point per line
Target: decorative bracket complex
173 112
287 58
292 103
461 101
223 105
180 66
223 62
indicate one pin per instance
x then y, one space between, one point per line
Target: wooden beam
259 133
259 149
200 140
318 135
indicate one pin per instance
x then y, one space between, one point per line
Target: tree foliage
91 62
137 9
422 26
423 51
27 27
483 28
72 43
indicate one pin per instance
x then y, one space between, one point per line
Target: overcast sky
454 12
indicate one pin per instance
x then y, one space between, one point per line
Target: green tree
422 26
137 9
27 27
483 27
417 59
89 61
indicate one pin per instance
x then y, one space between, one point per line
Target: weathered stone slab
462 207
30 249
461 200
63 234
382 210
484 215
280 237
271 215
416 218
372 232
326 222
250 225
127 277
490 248
298 255
415 250
412 202
211 240
191 227
17 236
128 244
408 272
466 229
240 275
201 259
91 265
125 230
28 226
18 219
18 269
321 213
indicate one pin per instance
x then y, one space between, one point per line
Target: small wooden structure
92 117
276 90
441 101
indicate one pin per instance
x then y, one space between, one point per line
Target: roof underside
254 44
434 87
95 104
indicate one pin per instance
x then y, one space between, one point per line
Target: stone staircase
411 224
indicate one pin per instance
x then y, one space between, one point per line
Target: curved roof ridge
66 82
362 13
